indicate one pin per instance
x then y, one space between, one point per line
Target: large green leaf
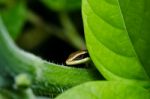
46 78
118 37
14 18
106 90
63 5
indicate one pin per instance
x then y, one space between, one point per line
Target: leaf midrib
129 38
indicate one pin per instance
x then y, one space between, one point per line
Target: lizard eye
82 56
78 57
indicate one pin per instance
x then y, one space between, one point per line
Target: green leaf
45 77
106 90
118 37
14 18
63 5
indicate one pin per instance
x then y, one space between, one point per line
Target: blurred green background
51 29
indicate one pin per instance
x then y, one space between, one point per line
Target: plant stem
45 77
69 35
70 31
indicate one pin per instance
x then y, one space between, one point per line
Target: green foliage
13 94
63 5
50 77
117 37
14 18
106 90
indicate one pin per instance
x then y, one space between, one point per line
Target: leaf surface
106 90
117 35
